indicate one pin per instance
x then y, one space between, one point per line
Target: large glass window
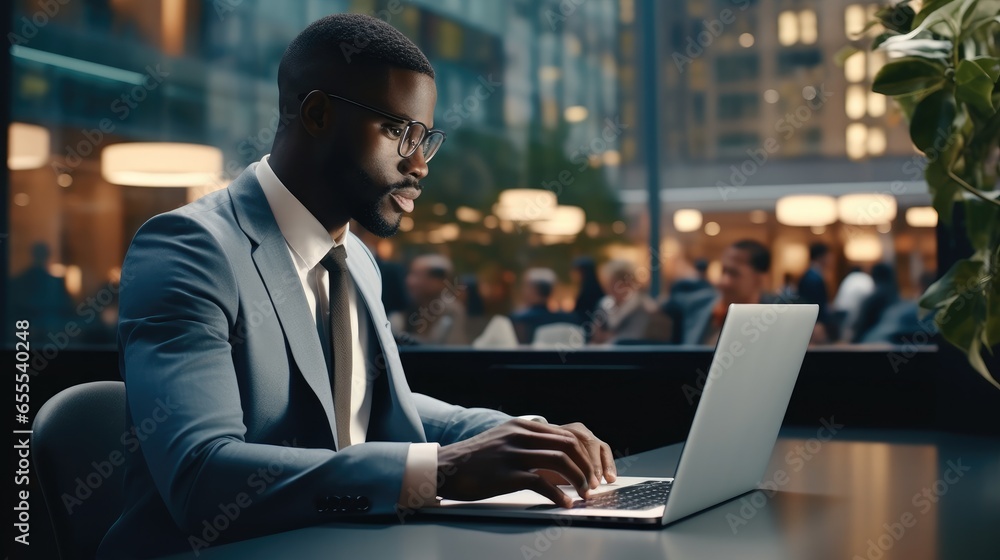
535 212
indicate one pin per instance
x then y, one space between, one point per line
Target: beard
368 211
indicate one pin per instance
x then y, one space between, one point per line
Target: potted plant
943 69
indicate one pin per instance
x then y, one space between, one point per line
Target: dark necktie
335 262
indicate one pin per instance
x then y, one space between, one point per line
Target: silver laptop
756 362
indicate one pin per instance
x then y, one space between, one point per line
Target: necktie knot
335 260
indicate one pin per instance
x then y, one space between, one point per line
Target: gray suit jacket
228 389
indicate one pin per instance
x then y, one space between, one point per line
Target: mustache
404 184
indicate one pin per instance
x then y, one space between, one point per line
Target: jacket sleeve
177 312
447 423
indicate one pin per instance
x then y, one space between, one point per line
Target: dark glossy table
875 495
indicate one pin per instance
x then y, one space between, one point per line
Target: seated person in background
886 295
812 285
536 291
901 322
853 290
436 315
476 317
626 312
698 319
693 284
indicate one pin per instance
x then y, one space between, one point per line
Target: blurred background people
584 275
853 290
698 317
475 309
628 313
885 295
41 298
435 315
537 286
812 286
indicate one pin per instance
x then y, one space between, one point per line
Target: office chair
79 459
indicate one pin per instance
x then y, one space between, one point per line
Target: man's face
362 162
422 285
739 283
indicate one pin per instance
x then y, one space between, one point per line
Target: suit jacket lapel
274 264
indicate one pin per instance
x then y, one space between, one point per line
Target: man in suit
264 388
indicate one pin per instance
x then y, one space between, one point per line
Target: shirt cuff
534 418
420 476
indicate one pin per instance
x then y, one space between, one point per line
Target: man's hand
521 454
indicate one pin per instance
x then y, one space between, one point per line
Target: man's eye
394 131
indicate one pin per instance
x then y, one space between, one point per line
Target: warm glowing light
788 28
161 164
406 224
64 180
22 199
854 67
818 230
746 40
758 217
576 113
491 222
73 280
921 216
854 101
612 157
807 27
439 209
27 146
565 220
857 140
883 228
525 205
470 215
771 96
876 141
876 104
712 229
863 248
549 73
854 20
618 227
806 210
866 209
687 220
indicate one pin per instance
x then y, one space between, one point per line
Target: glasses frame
427 132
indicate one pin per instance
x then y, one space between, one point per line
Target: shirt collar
302 231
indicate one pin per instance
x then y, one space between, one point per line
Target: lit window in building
854 102
876 59
854 20
876 104
807 27
857 140
854 67
876 141
788 28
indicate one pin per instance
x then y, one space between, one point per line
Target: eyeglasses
413 135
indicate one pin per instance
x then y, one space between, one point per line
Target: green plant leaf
974 87
963 318
989 64
953 285
943 189
928 9
976 361
898 18
992 331
981 218
933 120
908 75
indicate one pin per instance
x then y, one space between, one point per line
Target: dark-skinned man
263 384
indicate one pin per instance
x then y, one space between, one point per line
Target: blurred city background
777 175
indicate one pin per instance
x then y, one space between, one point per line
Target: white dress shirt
308 242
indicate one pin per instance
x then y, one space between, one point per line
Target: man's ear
314 113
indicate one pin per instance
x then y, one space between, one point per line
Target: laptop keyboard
640 496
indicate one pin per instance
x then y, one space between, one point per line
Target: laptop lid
748 386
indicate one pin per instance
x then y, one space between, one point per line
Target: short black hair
758 255
818 250
355 37
543 288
